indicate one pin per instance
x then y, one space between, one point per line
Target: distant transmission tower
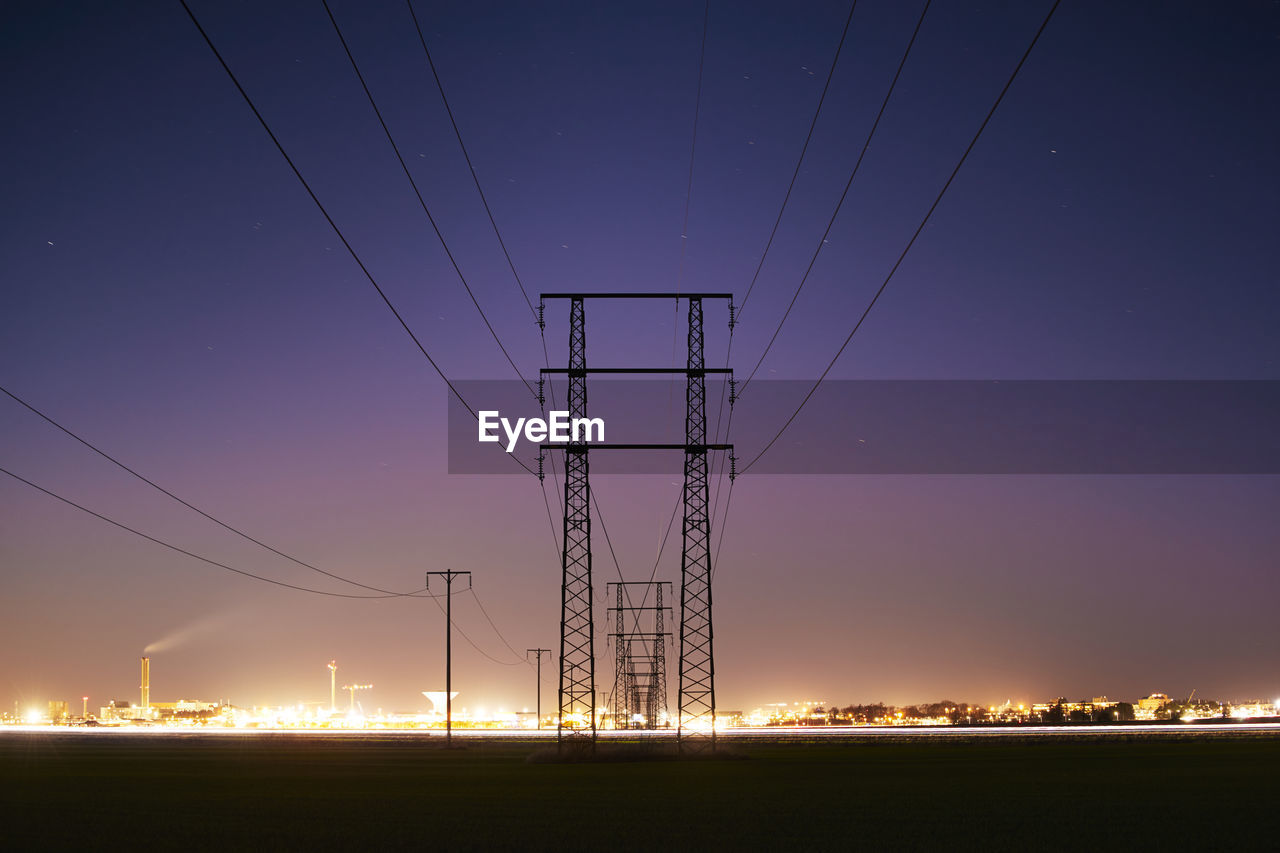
697 704
656 701
640 679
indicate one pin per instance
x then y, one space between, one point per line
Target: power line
693 145
715 503
350 249
386 300
493 222
332 224
723 524
183 551
328 218
471 642
605 529
914 236
506 253
688 198
494 626
188 505
454 624
684 239
434 226
555 540
796 174
662 546
475 178
832 221
417 192
813 123
626 589
456 132
488 211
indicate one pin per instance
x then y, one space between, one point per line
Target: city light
804 715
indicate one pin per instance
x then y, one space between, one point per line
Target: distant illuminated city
345 710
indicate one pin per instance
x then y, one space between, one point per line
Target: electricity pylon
640 680
697 703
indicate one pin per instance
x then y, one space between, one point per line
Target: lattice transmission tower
697 703
640 655
577 634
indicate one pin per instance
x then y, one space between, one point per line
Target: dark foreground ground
284 792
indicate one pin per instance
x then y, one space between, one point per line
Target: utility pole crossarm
636 295
692 448
639 635
639 607
683 371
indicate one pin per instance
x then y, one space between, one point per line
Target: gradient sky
171 294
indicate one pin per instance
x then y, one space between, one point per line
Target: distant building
185 706
59 712
120 710
1146 708
1078 712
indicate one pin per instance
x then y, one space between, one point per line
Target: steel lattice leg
577 637
697 668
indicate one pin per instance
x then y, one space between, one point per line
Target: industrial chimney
146 684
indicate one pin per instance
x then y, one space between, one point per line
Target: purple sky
171 294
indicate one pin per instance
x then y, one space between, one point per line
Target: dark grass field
289 792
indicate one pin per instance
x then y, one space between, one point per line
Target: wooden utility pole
448 646
539 653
